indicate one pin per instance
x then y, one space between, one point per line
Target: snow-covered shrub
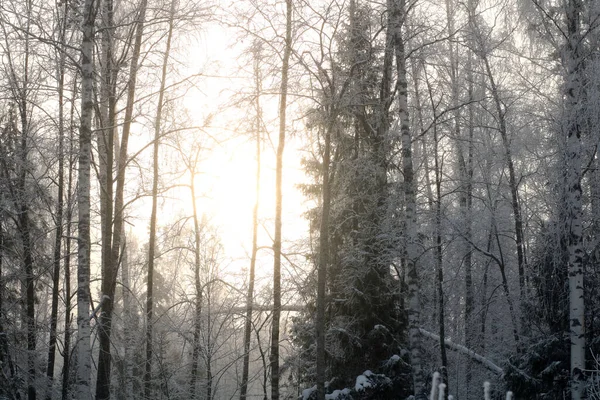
368 386
391 383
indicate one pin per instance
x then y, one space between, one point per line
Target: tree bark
84 359
573 90
105 142
274 357
413 304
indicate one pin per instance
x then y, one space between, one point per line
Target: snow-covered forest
299 199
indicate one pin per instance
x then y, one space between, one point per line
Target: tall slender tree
572 129
275 324
256 54
197 322
106 117
155 175
58 255
398 18
84 356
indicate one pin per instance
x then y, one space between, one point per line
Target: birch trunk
413 304
274 357
84 359
574 214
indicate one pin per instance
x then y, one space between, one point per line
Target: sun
227 192
225 180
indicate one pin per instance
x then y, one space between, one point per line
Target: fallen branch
463 350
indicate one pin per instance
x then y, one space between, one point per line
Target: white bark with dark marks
84 356
572 61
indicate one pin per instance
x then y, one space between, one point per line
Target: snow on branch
463 350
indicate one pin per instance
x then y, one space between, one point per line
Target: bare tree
252 273
274 361
152 240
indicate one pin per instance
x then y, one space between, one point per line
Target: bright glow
225 183
226 195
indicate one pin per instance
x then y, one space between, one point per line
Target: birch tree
84 356
397 18
572 60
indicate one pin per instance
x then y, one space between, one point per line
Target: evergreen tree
365 322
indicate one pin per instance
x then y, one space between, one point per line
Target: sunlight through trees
294 199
